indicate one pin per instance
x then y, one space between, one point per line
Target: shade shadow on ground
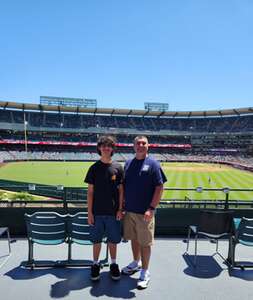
72 279
206 267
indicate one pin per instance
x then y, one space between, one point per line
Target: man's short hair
106 140
140 137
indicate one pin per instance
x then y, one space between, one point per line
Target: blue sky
194 55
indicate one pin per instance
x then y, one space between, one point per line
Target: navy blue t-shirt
106 179
141 178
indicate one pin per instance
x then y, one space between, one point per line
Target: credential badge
145 168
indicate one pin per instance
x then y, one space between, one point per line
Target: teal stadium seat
78 233
51 228
44 228
243 236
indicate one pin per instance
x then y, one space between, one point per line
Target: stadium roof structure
125 112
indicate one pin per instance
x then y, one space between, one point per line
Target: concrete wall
169 221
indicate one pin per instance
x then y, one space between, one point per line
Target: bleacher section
66 134
77 121
91 156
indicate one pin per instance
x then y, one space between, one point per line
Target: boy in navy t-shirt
105 198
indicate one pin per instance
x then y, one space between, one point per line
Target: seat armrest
193 228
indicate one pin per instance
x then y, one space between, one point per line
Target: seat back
245 232
78 228
48 228
215 222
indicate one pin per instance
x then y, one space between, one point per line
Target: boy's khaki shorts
135 228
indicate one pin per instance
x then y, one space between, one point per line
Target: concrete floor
172 275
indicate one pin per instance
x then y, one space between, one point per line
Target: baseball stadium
54 145
46 150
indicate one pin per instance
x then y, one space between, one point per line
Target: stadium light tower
25 133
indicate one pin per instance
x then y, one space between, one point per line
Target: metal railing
225 203
76 197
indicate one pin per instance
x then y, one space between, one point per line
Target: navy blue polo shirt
141 178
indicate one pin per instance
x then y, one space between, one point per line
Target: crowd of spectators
87 137
232 159
202 135
77 121
122 156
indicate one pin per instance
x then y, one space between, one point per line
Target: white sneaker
131 268
143 280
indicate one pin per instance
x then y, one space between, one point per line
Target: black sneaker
114 271
95 272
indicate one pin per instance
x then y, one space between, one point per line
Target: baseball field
179 175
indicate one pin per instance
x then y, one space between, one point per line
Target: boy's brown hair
106 140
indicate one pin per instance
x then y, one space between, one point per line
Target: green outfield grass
180 175
188 175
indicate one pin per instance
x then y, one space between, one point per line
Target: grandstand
43 132
47 133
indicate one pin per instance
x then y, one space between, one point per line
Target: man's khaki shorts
135 228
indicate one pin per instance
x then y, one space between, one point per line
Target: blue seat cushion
81 242
48 242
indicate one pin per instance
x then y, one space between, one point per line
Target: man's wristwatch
151 207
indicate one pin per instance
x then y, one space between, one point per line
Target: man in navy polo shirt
143 186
